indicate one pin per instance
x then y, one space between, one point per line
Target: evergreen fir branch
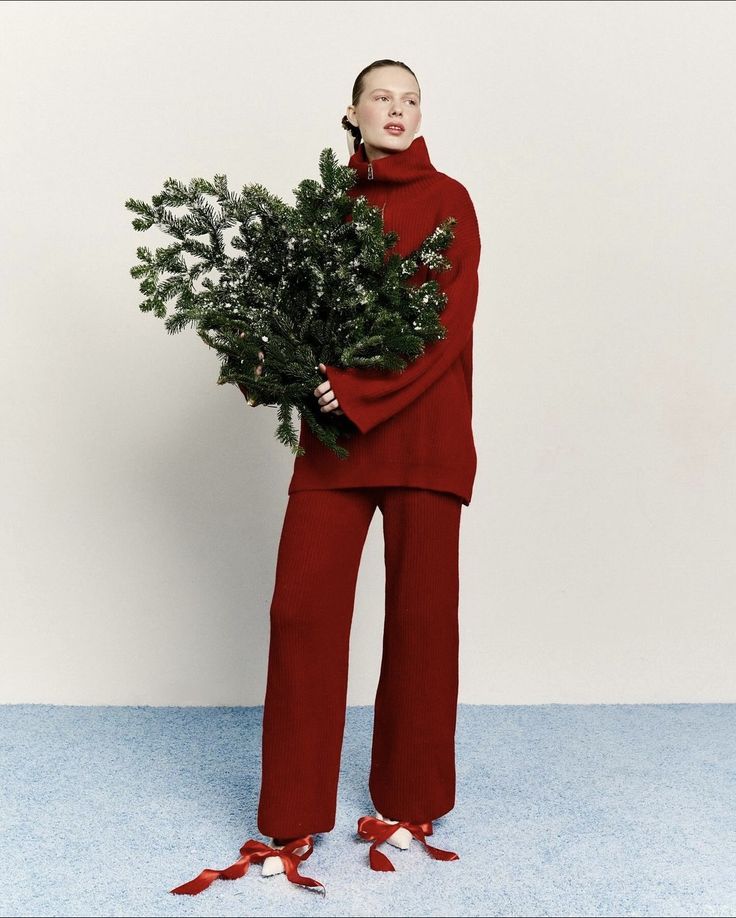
309 283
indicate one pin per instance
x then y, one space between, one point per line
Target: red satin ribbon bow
378 831
254 851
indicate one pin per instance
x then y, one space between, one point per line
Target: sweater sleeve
370 396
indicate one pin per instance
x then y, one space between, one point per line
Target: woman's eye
413 101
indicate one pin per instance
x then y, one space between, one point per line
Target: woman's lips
394 130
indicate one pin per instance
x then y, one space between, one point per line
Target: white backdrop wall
142 503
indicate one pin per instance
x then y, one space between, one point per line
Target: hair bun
355 131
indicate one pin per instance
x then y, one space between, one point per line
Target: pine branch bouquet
305 284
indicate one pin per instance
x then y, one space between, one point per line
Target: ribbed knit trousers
412 772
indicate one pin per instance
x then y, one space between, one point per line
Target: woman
412 455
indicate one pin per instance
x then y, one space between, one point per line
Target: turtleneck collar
407 165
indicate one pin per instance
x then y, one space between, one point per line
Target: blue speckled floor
561 810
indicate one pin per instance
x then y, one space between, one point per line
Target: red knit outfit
412 762
415 424
413 457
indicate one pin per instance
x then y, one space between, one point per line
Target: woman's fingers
326 398
252 400
333 405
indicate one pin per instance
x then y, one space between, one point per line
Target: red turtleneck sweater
413 426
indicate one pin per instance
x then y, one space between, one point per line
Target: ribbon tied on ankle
378 831
255 852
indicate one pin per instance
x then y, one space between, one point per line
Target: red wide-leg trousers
412 774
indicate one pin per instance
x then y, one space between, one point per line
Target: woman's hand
325 396
258 371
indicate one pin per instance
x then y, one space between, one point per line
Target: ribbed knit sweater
413 427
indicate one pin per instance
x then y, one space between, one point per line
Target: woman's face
391 94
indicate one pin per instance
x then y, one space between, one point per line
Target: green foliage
305 284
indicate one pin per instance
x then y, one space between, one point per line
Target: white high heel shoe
401 837
274 864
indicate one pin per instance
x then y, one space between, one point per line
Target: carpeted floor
561 810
